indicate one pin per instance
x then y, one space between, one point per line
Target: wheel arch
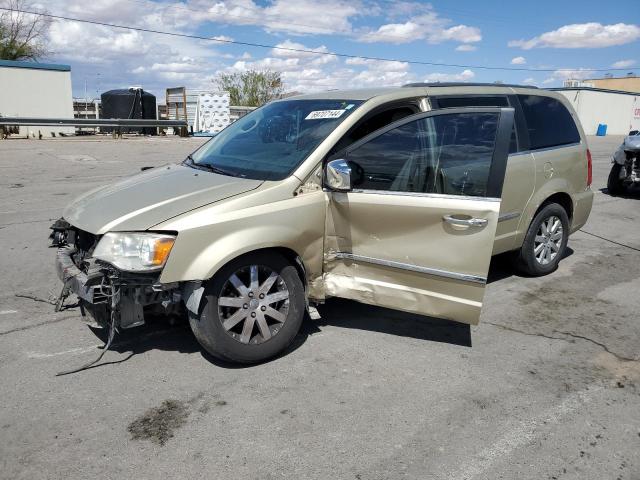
561 198
193 290
536 204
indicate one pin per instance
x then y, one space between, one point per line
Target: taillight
589 169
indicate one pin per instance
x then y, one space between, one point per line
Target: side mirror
633 133
338 175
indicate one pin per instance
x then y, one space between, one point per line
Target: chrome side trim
427 195
508 216
526 152
412 268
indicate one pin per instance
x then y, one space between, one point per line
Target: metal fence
91 122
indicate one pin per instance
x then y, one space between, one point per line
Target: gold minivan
396 197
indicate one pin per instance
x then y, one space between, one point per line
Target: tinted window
548 121
449 153
271 141
480 101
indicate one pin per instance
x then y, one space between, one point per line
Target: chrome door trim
412 268
508 216
545 149
427 195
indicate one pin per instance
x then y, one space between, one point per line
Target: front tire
545 242
615 186
251 309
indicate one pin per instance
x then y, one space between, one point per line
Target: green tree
252 88
22 35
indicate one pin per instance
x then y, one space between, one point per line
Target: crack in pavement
35 325
35 298
569 334
25 222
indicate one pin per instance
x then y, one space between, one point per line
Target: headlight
135 252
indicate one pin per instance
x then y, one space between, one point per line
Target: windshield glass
270 142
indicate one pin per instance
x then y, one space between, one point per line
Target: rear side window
481 101
548 121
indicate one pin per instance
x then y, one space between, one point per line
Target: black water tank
129 103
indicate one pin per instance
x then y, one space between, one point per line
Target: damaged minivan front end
116 275
110 252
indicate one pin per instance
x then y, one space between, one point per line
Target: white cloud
223 38
302 17
566 74
529 81
289 49
623 64
459 33
582 35
518 61
425 24
464 76
465 47
394 33
303 72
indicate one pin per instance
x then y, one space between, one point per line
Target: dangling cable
115 298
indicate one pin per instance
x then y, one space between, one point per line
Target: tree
22 34
252 88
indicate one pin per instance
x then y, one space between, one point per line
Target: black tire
208 327
525 259
614 184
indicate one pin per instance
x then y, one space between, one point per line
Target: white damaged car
625 171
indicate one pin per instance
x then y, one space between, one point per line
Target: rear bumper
582 203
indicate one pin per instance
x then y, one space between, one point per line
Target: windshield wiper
209 168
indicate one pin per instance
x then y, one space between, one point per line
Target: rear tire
251 310
614 184
545 242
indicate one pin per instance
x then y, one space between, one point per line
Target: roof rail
464 84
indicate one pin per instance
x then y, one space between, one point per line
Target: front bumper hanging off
98 282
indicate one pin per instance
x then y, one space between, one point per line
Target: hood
151 197
632 142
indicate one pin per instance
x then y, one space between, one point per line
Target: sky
562 36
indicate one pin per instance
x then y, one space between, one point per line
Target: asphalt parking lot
546 387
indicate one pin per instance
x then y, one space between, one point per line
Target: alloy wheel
548 241
253 304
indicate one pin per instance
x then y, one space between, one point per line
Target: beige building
630 83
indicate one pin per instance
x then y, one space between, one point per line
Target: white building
30 89
618 110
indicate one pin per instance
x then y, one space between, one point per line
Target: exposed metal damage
108 297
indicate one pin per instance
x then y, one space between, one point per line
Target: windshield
270 142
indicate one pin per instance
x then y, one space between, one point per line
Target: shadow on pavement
159 334
631 193
501 266
349 314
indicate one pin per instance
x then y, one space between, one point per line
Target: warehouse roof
594 89
35 65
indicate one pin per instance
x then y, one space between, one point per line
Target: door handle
465 222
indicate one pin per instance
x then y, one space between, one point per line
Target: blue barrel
602 130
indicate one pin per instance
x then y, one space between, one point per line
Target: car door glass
448 154
549 122
480 101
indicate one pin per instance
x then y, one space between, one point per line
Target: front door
416 229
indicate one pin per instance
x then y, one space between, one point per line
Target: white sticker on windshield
318 114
